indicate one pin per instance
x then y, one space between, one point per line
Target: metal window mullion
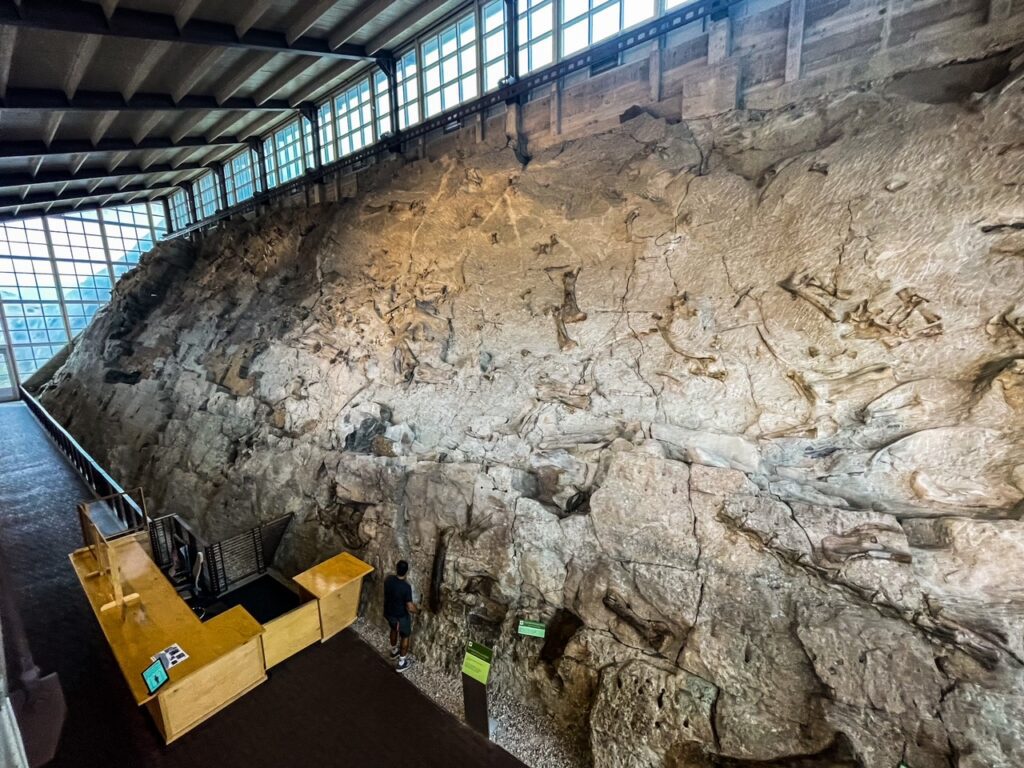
478 31
9 351
152 224
106 248
56 279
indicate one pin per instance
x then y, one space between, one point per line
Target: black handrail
226 563
100 483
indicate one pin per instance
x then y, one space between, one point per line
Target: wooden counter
225 655
336 585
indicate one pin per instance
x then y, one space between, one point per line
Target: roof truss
91 19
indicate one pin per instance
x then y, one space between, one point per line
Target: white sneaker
394 653
403 665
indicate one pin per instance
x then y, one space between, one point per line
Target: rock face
736 406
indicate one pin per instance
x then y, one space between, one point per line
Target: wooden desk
225 655
336 584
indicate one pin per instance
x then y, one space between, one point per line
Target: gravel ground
520 730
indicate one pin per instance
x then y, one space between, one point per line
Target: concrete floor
333 704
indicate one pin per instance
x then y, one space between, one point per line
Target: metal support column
56 274
512 40
168 223
262 184
311 112
389 66
222 183
190 193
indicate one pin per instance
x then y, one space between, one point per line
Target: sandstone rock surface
736 406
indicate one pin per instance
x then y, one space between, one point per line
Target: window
355 118
307 142
156 211
288 160
270 156
495 65
450 67
536 35
586 22
325 117
408 90
382 101
181 216
56 273
239 177
408 94
207 195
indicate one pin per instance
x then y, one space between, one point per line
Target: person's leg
393 626
405 630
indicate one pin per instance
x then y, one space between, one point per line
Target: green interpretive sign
477 663
532 628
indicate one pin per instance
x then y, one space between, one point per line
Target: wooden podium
225 657
336 584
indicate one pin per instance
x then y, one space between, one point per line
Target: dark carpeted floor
333 704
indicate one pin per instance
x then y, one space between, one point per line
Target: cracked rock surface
735 406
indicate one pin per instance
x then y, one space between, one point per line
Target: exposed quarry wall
735 404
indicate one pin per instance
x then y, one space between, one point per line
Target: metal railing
240 558
103 486
175 546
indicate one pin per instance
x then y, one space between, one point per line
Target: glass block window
240 177
586 22
450 67
354 118
494 62
536 35
289 163
57 272
207 195
328 149
181 216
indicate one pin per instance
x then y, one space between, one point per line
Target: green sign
532 628
477 663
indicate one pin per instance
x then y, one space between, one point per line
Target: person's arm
410 606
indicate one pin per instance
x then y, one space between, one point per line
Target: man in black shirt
398 610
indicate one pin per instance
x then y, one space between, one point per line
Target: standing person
398 610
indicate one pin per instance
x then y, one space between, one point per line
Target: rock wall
735 405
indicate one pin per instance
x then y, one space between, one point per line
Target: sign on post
476 671
532 628
477 663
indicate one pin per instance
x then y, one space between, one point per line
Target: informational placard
532 628
172 656
477 663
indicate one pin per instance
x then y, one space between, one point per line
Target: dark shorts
404 625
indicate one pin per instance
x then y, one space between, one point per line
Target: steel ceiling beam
50 99
84 146
39 198
87 174
90 19
59 208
